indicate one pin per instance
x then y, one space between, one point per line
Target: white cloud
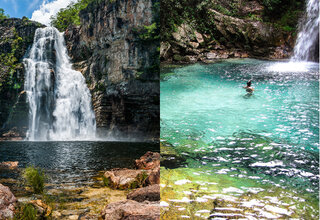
48 9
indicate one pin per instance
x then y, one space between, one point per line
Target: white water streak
308 33
59 100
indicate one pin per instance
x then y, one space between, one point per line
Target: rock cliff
117 50
229 29
16 36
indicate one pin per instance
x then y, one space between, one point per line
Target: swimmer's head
249 83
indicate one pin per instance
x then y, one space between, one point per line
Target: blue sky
38 10
20 8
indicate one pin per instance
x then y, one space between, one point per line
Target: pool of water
234 143
72 162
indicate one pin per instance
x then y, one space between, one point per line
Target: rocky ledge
242 33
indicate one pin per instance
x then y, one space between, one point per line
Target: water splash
59 100
307 44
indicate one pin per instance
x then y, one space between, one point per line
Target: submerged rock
9 165
132 210
126 178
8 203
150 193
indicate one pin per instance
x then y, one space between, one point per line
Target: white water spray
59 100
308 38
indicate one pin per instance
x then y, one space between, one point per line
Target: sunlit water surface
247 156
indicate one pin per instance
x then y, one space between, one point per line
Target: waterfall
307 43
59 100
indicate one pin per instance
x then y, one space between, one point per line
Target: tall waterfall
59 100
307 44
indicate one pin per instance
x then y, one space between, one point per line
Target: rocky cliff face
233 29
16 36
120 65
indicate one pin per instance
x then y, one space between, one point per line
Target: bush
69 15
35 178
26 212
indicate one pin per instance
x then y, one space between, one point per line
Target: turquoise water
268 139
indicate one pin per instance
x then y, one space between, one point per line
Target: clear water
58 97
268 140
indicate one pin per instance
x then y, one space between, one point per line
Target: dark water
72 162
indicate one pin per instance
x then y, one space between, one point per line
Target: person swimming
248 88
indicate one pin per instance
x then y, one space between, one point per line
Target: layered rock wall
117 64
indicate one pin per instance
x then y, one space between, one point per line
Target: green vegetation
26 212
69 15
197 14
35 178
10 62
2 15
193 12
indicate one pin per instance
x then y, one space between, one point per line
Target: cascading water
307 44
59 100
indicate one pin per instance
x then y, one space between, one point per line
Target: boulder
8 203
126 178
132 210
150 193
148 161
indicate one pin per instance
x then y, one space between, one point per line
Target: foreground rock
8 203
43 209
150 193
126 178
132 210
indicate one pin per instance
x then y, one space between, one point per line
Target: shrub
35 178
26 212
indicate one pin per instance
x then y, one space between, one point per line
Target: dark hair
249 83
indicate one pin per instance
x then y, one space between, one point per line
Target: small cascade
59 100
307 43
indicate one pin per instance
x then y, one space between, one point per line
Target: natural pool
244 156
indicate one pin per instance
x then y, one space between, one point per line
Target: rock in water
7 203
132 210
9 164
150 193
126 178
148 161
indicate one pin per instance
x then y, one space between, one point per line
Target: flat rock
132 210
7 203
150 193
125 178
